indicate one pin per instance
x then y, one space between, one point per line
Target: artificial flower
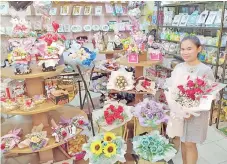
96 147
35 139
109 136
107 151
110 149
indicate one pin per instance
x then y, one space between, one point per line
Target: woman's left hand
189 118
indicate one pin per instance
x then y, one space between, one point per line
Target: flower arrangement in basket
113 115
10 140
150 113
194 94
121 80
36 140
153 147
105 148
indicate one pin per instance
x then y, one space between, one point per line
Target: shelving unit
196 29
41 114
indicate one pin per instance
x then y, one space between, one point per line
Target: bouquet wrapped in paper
36 140
121 80
153 147
193 95
113 115
10 140
144 84
150 113
105 148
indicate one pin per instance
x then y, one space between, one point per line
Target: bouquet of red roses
190 97
113 115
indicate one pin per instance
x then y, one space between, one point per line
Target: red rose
181 88
106 113
120 109
198 90
190 94
190 84
80 122
112 108
55 38
63 37
63 133
3 146
109 120
200 82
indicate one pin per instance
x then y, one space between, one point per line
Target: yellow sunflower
110 149
109 136
96 147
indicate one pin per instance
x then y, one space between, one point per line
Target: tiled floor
212 151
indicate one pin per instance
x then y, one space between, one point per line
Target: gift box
59 97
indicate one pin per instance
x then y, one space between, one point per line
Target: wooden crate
141 161
138 129
121 131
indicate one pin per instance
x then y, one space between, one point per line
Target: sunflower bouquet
153 147
105 148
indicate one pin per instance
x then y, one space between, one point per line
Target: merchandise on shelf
153 147
38 99
74 147
59 97
105 148
10 140
36 140
8 105
121 80
27 105
99 83
144 84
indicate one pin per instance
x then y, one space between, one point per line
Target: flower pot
143 56
138 129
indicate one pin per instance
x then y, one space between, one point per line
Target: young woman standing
195 128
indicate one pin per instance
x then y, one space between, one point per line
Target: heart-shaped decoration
20 4
55 26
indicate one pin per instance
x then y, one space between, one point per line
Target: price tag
205 102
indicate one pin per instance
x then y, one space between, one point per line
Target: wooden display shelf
36 73
147 63
41 108
101 71
111 52
51 144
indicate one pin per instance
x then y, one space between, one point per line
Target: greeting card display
109 8
77 10
4 8
67 28
64 10
98 10
87 10
53 11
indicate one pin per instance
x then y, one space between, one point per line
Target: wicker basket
138 129
141 161
121 131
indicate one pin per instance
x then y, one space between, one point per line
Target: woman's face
189 51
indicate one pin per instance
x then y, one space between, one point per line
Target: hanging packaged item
211 18
193 18
168 17
176 20
59 97
202 18
184 20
